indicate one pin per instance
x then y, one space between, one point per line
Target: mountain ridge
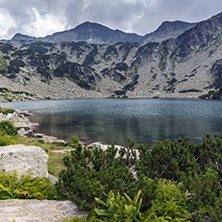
186 66
100 34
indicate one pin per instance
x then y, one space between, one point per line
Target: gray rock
12 117
21 124
49 139
26 133
25 159
39 135
24 112
53 178
2 116
38 210
33 126
62 151
29 133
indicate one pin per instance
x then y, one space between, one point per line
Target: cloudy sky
44 17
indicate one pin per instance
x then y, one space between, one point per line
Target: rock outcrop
19 119
38 210
25 159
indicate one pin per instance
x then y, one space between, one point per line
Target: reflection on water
114 120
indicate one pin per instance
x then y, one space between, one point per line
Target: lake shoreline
114 120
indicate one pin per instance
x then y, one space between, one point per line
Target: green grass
55 164
5 111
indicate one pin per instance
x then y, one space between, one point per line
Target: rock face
25 159
185 65
38 210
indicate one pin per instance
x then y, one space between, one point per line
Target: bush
16 62
169 205
26 187
93 173
8 128
189 178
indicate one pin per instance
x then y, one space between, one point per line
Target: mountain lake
114 120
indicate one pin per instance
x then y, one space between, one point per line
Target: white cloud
6 22
43 17
43 23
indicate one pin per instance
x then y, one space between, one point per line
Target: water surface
114 120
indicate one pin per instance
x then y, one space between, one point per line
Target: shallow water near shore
114 120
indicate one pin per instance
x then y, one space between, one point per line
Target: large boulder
25 159
38 210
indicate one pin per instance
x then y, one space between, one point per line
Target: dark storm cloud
43 17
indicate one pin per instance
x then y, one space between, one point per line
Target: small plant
75 139
169 205
120 208
26 187
6 140
8 128
74 219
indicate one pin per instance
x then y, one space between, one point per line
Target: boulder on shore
38 210
25 159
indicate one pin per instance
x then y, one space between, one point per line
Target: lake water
114 120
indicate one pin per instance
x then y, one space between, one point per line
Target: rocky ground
31 210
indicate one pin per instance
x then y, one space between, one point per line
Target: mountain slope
168 30
186 66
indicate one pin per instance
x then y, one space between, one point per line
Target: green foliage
189 179
162 64
131 85
8 128
74 219
172 81
93 173
190 90
5 111
75 139
16 62
5 139
111 50
120 208
212 95
73 71
216 71
126 48
90 58
5 48
169 205
26 187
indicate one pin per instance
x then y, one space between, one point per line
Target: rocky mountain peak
19 37
168 30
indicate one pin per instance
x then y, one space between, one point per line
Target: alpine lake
114 120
